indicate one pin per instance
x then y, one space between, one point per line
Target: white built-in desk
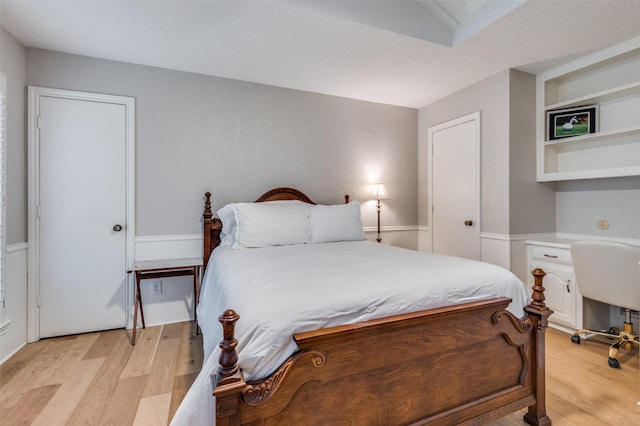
571 310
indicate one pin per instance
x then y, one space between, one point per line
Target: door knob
117 228
468 223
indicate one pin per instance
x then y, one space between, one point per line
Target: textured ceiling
407 53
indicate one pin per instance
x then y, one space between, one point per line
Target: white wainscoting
496 249
508 251
175 304
13 330
168 247
399 236
424 239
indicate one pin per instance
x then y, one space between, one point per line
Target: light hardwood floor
582 389
100 379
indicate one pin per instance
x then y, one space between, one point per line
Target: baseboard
15 351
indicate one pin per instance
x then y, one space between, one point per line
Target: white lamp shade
379 192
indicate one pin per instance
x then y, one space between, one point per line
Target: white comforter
280 291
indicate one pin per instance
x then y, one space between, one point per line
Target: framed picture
565 123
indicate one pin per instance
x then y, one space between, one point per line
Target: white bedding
283 290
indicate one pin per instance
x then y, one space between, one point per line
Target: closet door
455 187
81 215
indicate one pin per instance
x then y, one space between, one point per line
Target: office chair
609 272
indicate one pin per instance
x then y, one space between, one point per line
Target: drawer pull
552 256
568 289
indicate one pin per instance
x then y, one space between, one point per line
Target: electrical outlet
156 288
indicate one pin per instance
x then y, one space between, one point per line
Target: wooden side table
150 269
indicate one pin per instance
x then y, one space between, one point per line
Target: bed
463 356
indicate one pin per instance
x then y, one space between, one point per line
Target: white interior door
455 187
82 196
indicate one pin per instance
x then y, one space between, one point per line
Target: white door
455 187
81 214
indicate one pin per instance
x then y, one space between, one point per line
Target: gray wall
325 145
491 98
532 205
512 201
13 64
581 204
198 133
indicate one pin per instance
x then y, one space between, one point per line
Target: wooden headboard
213 225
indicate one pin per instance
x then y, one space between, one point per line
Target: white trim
166 238
424 238
14 325
515 237
17 247
158 247
500 237
562 240
33 97
4 148
4 327
592 58
526 237
6 358
496 249
474 116
391 228
575 237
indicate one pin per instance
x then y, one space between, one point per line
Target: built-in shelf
602 96
598 136
610 80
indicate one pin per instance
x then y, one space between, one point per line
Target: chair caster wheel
614 363
575 339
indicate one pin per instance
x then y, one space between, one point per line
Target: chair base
623 338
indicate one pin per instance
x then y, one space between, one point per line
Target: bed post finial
228 383
538 288
207 204
228 356
346 198
206 229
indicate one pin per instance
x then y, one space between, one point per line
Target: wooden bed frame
464 364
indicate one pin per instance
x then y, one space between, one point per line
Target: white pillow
272 223
227 216
340 222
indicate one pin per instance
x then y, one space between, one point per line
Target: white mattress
280 291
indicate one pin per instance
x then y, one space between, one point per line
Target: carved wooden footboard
463 364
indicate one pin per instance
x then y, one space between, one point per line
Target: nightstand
151 269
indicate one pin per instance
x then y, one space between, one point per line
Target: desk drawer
551 254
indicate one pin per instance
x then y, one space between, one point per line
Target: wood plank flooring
582 390
100 379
